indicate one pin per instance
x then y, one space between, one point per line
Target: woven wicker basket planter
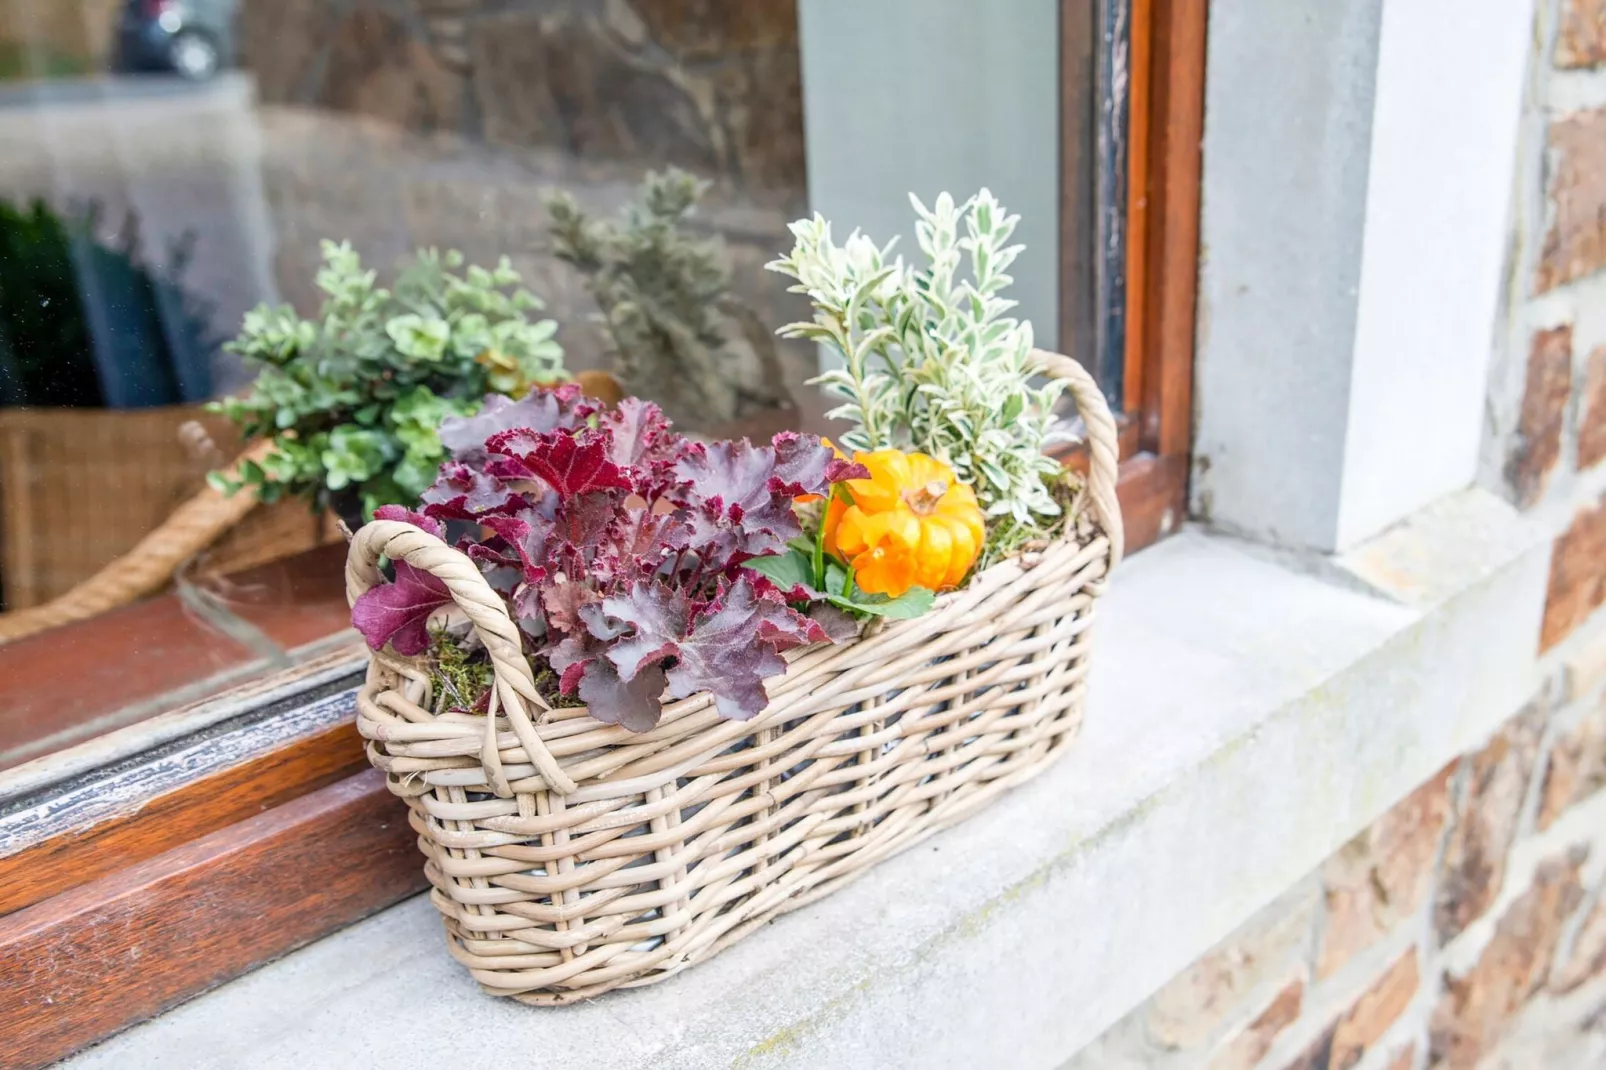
569 857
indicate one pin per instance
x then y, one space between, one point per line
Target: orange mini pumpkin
911 524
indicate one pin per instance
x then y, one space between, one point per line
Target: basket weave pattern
569 857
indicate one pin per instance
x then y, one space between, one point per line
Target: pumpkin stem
923 500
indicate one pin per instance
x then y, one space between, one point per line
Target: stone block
1592 421
1577 585
1581 41
1585 666
1486 822
606 83
1345 1042
1189 1009
1576 769
1404 1059
1575 245
1478 1005
285 46
1586 959
1379 1007
1382 875
1544 412
377 67
1244 1049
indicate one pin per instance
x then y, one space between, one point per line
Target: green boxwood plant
352 400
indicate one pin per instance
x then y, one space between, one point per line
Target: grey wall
922 96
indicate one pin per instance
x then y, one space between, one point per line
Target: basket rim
573 732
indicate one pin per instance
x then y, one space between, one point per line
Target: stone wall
1467 926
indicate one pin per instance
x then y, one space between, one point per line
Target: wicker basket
569 857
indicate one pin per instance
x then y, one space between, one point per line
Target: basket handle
1103 443
514 683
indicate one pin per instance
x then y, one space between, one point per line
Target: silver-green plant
930 360
666 304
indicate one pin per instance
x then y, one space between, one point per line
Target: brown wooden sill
84 964
178 810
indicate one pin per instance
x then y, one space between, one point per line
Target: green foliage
353 400
930 361
666 304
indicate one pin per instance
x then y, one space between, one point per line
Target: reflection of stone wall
711 85
405 123
388 192
59 35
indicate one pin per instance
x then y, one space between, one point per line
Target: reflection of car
192 38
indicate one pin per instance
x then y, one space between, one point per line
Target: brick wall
1467 926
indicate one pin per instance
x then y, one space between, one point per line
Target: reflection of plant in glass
64 292
352 400
667 307
930 361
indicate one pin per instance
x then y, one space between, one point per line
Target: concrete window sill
1248 714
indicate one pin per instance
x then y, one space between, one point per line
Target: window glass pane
168 165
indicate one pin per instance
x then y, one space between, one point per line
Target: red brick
1577 576
1486 823
1582 39
1592 424
1250 1044
1576 244
1577 767
1378 1008
1381 876
1477 1006
1316 1057
1544 413
1586 959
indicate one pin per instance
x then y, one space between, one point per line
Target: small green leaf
787 570
915 602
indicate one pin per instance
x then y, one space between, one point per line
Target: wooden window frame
177 868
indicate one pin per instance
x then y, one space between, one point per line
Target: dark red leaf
541 410
407 516
398 613
465 492
804 465
570 464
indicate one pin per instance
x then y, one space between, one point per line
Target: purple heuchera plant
619 545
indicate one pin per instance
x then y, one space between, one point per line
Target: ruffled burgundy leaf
569 464
639 433
619 548
465 492
398 613
835 622
805 465
737 512
526 533
551 409
562 600
407 516
727 649
635 704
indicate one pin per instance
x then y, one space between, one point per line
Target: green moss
459 679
